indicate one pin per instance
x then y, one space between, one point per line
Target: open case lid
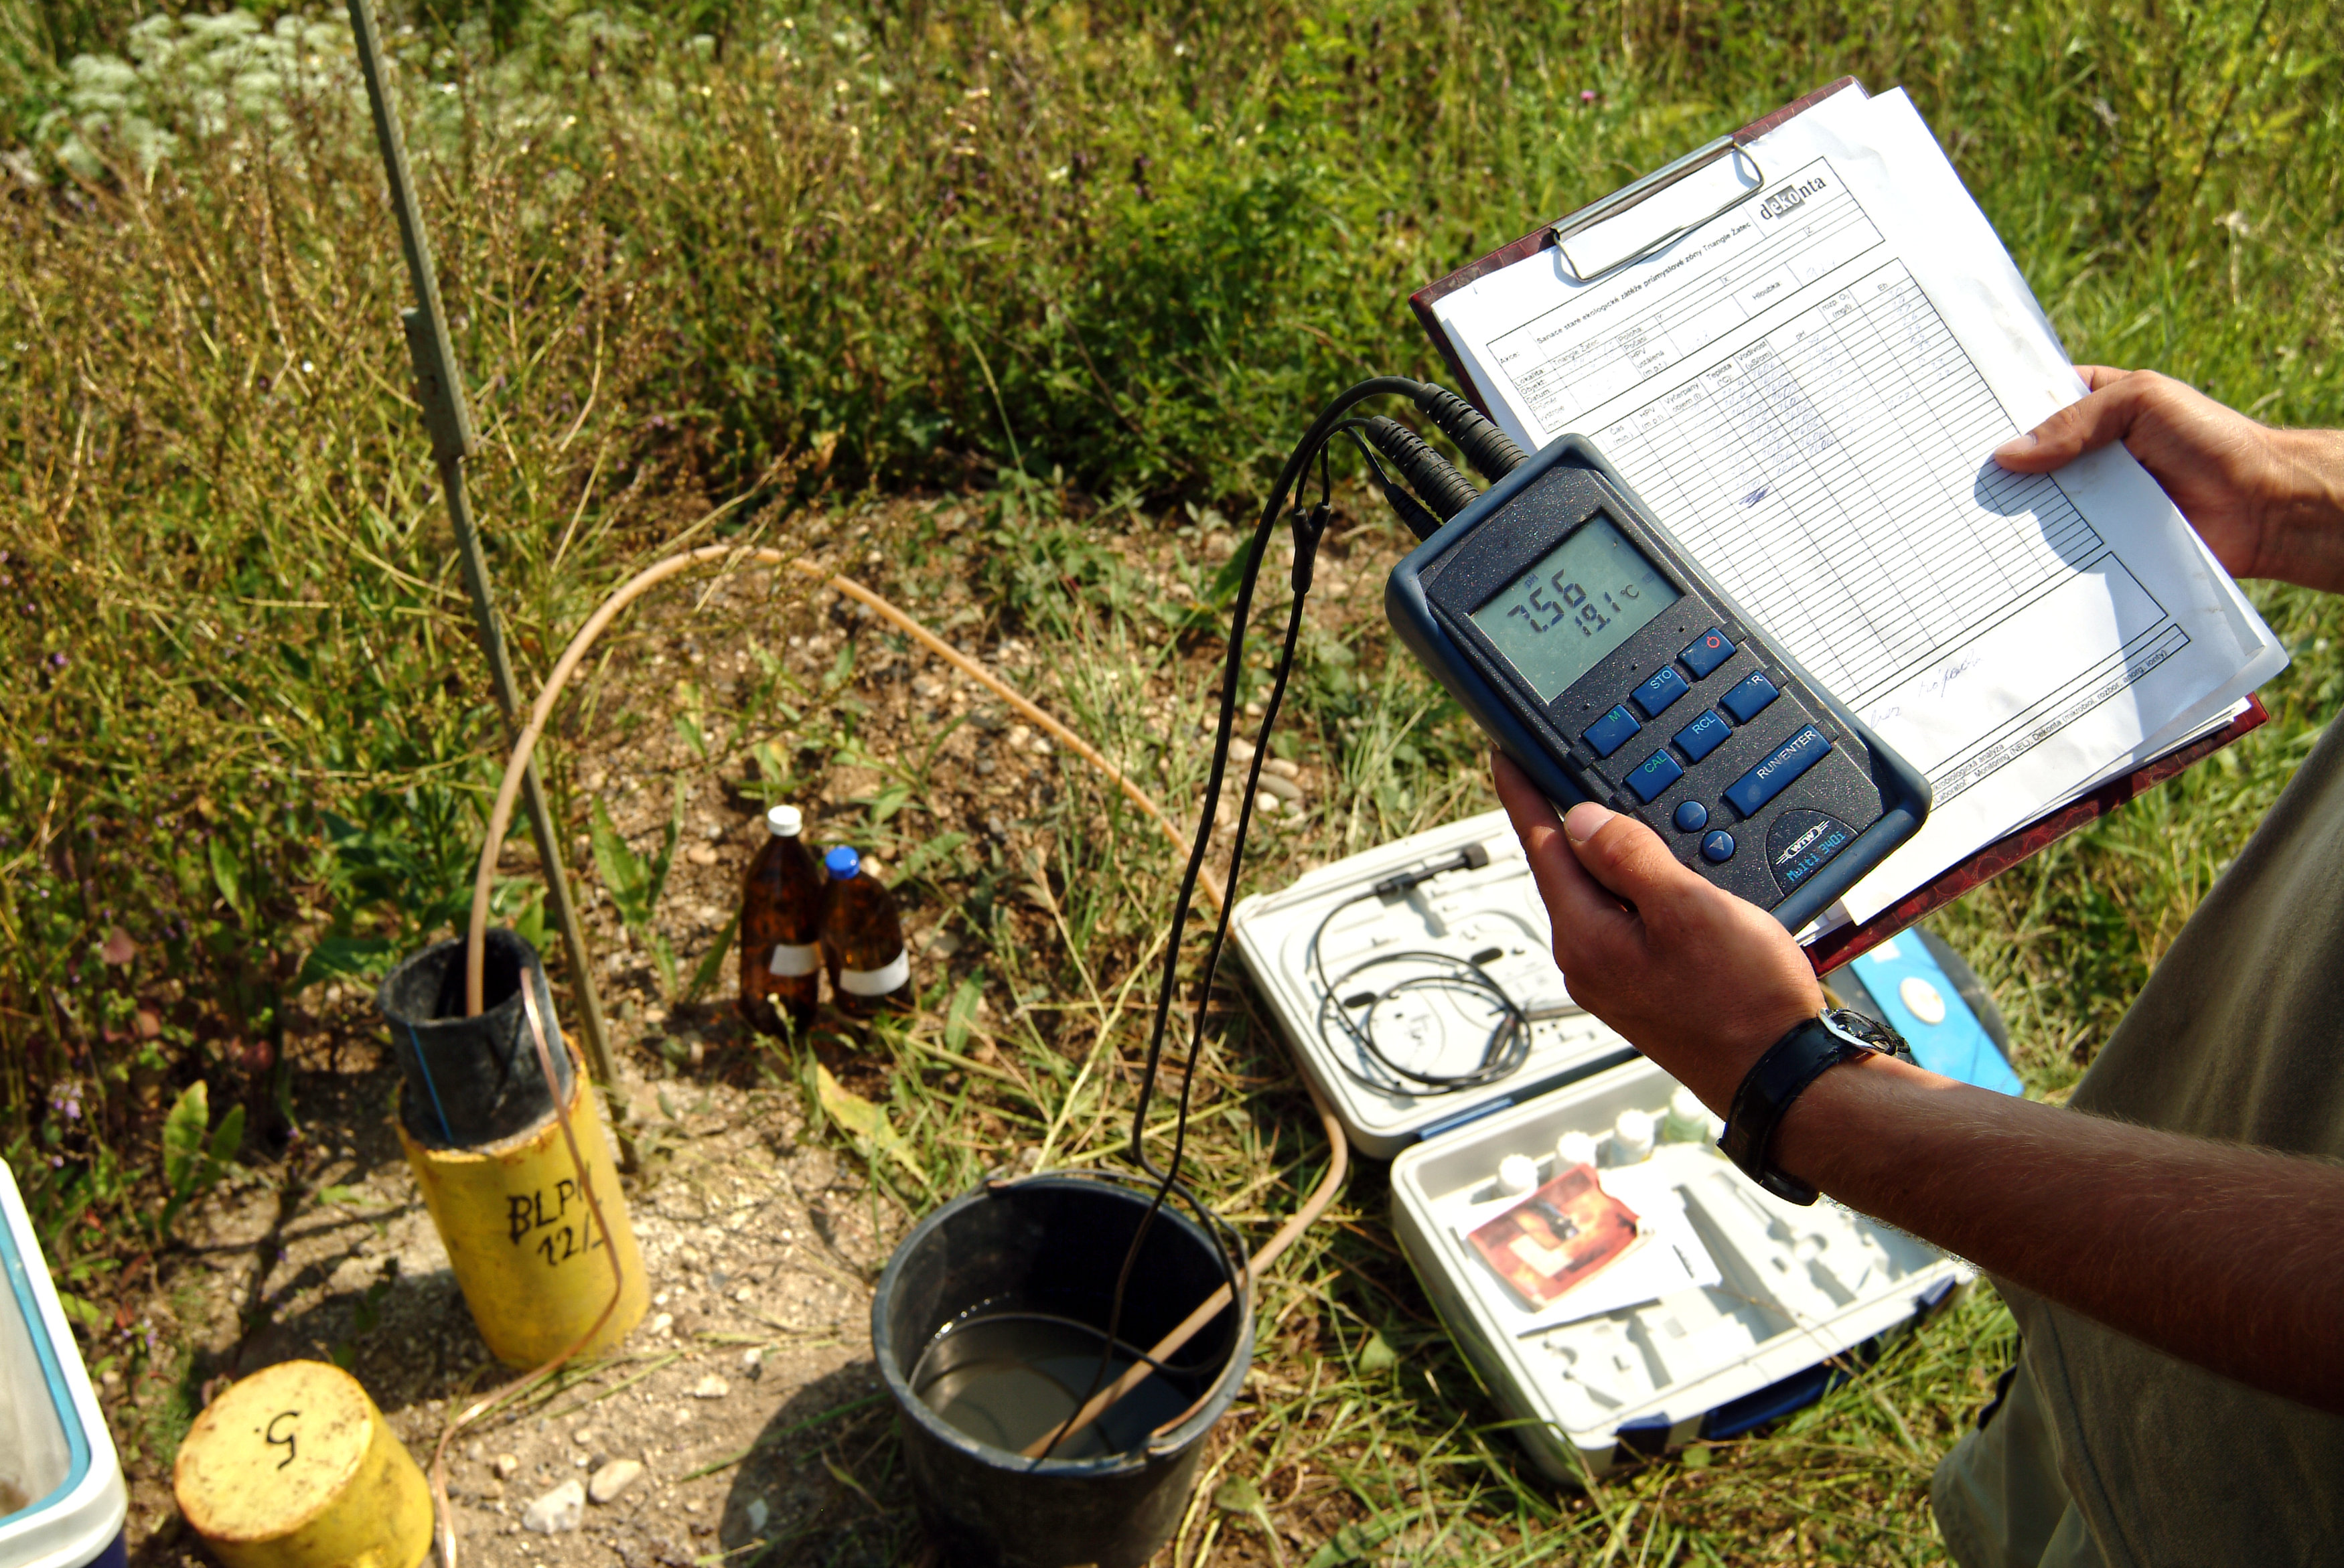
1491 912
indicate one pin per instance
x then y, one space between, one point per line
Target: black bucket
471 1081
1045 1251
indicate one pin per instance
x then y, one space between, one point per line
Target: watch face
1854 1026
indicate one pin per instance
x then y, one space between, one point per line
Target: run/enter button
1750 793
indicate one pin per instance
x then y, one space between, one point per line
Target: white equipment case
1731 1305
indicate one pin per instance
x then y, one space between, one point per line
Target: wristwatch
1781 1075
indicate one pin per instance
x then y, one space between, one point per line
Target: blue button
1718 848
1653 778
1749 699
1692 817
1802 751
1703 736
1655 695
1611 732
1705 653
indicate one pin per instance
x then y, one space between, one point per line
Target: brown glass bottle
863 939
781 925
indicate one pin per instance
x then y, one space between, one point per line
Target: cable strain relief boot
1442 489
1491 450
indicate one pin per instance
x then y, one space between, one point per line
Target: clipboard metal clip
1644 189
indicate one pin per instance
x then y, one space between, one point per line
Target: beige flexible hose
476 938
501 817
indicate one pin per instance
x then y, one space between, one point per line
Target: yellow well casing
294 1467
523 1242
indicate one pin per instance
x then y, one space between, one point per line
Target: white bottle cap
1631 1137
784 821
1684 1103
1517 1174
1575 1148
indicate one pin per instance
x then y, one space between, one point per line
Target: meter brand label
1801 843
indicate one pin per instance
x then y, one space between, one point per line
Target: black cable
1306 534
1491 450
1479 436
1503 1053
1405 506
1442 489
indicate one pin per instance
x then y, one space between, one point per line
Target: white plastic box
57 1463
1760 1295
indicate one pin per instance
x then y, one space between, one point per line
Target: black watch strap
1779 1076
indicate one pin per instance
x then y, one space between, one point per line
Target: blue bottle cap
842 862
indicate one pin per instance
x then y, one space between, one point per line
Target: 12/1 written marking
563 1239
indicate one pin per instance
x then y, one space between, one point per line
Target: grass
1068 278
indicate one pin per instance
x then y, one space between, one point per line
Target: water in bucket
1006 1378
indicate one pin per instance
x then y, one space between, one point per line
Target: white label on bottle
878 981
791 960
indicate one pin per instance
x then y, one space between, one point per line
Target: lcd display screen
1565 613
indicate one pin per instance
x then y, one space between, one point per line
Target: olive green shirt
2109 1451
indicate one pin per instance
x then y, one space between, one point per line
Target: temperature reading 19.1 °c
1568 610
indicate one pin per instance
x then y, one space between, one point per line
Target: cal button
1654 776
1612 731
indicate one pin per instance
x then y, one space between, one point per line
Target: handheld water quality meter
1596 652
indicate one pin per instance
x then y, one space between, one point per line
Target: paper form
1806 390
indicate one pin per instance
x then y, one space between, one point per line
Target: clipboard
1835 947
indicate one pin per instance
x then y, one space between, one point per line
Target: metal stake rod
450 421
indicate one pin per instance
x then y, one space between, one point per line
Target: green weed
1079 273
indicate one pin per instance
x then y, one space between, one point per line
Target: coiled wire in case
1352 1013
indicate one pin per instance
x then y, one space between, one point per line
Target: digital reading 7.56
1573 605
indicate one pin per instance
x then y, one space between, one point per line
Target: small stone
753 1362
700 855
1284 788
710 1387
1279 768
745 1293
757 1514
560 1510
585 1436
1265 802
613 1478
664 1322
507 1465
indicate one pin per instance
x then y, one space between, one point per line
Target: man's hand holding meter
2221 1255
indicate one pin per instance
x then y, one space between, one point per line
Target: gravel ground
759 1249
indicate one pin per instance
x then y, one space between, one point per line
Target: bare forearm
2303 518
2228 1257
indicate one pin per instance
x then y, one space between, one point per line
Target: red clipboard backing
1833 949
